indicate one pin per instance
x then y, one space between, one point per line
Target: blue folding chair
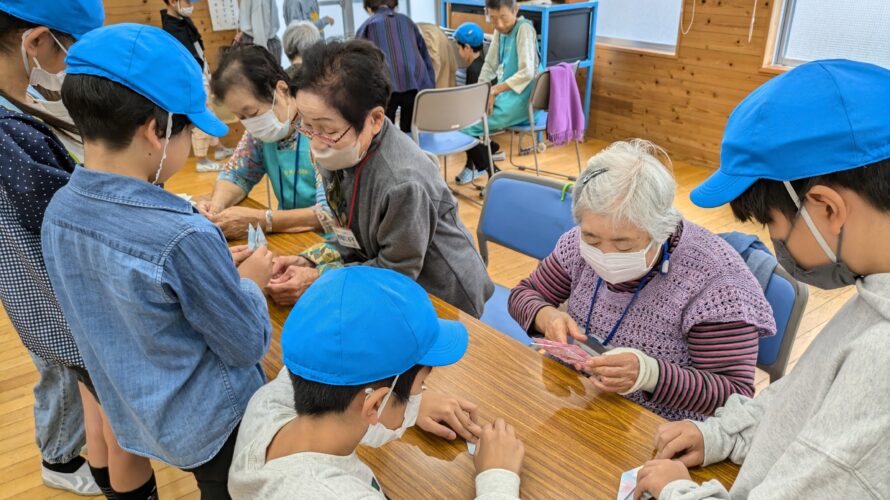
527 214
788 298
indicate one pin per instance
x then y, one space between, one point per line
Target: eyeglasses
326 140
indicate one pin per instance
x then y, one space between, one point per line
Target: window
641 24
831 29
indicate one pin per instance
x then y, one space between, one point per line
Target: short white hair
299 36
630 181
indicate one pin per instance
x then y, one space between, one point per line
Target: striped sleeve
723 357
549 285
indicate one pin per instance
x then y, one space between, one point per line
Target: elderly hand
459 416
681 441
233 221
656 474
613 373
287 288
240 253
281 263
557 325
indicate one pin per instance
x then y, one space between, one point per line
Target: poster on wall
223 14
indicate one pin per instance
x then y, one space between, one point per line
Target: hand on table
681 441
233 221
557 325
499 448
240 253
257 267
449 417
204 205
656 474
287 288
613 373
282 262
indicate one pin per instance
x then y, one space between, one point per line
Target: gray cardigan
406 220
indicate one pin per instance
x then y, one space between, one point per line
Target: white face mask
55 109
379 434
332 159
184 11
38 76
617 267
267 127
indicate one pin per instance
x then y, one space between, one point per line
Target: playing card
629 484
260 237
567 353
471 448
251 237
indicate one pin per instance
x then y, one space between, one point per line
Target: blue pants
58 413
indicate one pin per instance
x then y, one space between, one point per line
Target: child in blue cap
172 332
357 349
470 41
808 155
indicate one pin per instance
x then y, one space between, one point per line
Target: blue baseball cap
469 34
152 63
819 118
358 325
74 17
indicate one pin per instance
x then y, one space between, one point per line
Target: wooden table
577 440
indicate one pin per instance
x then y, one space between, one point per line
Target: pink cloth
565 119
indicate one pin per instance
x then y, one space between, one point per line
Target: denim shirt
171 335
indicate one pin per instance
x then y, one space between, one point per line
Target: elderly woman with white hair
299 36
675 307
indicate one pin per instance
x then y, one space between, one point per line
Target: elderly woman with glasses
674 307
391 208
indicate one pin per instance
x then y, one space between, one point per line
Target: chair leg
535 152
512 135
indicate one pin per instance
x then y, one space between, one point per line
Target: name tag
346 238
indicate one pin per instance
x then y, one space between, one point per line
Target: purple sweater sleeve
549 285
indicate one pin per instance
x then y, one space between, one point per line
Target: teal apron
291 174
510 108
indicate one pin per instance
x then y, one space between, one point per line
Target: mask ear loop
802 211
392 388
166 143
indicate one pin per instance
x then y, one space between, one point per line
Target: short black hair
314 398
10 33
108 112
477 49
373 5
497 4
351 76
252 67
871 182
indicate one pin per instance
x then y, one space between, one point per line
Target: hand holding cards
569 354
255 237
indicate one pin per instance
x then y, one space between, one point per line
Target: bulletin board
223 14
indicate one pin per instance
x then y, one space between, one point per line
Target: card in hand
255 237
629 484
567 353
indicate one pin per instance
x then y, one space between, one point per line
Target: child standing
170 331
513 61
300 432
410 67
806 154
176 20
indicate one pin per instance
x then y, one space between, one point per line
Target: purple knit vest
707 282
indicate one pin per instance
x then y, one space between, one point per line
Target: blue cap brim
209 123
720 189
449 347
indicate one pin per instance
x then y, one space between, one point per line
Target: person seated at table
677 303
823 191
255 88
300 432
391 207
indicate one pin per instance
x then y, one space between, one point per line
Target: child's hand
459 414
258 267
656 474
499 448
680 441
286 289
240 253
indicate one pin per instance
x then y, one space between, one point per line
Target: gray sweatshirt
822 431
405 219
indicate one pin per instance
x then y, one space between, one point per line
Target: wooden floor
19 457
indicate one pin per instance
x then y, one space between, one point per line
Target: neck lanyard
358 173
296 175
599 281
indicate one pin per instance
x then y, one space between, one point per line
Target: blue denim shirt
171 335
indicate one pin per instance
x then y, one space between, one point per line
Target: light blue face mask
829 276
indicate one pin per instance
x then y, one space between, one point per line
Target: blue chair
527 214
441 114
788 298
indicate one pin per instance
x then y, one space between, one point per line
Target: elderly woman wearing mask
675 306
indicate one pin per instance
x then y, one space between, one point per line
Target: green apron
291 174
510 108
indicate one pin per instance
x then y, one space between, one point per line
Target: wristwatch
268 221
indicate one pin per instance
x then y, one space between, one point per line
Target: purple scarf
565 120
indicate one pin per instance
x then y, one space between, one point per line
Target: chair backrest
788 298
525 213
449 109
540 94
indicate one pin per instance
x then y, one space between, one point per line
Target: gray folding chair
538 101
441 114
